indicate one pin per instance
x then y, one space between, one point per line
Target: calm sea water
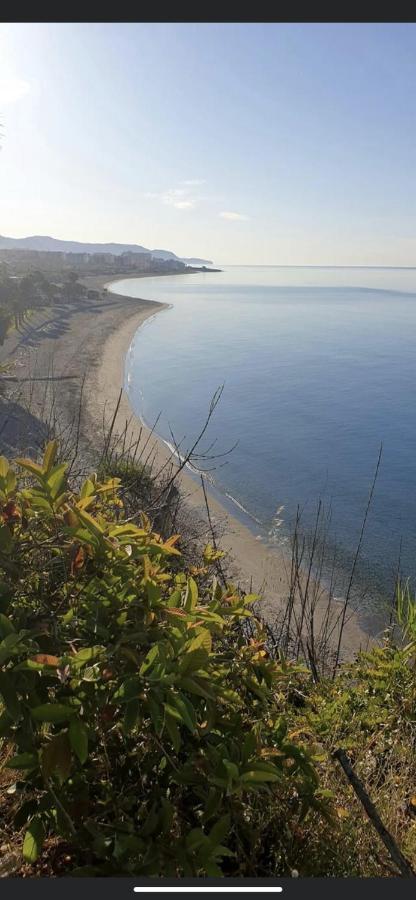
319 370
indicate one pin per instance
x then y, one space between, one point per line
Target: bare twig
347 598
397 856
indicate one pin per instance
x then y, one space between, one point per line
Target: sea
317 372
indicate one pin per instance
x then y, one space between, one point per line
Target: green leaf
212 804
151 822
11 481
111 486
128 690
150 659
23 761
87 489
90 523
4 467
196 838
24 813
210 555
195 687
220 830
8 646
249 746
173 731
174 600
254 686
167 815
212 870
78 736
250 598
191 595
50 455
6 722
52 712
34 838
86 655
41 503
203 639
10 698
6 539
131 715
127 845
6 626
56 479
68 616
5 596
257 776
156 715
232 769
56 758
31 467
182 709
261 765
193 660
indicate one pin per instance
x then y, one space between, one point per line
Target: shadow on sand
20 431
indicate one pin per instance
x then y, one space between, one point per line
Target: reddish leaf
46 660
77 558
11 512
107 713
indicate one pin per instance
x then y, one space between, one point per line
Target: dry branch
396 855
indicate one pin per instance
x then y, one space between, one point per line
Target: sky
263 144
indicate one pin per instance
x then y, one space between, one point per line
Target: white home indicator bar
208 890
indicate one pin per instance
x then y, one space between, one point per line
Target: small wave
200 472
182 459
276 524
275 534
244 510
188 464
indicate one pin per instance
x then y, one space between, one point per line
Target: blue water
319 369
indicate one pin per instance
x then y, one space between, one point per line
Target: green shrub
142 729
368 710
133 475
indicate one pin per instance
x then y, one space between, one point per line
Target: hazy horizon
249 265
282 144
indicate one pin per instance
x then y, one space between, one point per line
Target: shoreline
256 565
77 355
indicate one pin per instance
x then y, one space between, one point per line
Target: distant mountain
190 261
196 261
42 242
50 244
164 254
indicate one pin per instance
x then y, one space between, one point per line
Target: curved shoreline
254 565
90 340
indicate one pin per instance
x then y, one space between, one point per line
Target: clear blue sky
244 143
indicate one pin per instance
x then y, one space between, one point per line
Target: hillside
150 727
44 242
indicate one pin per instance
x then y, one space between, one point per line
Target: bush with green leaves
369 711
143 729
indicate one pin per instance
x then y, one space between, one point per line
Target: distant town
22 262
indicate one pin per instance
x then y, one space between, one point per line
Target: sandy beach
253 564
87 345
